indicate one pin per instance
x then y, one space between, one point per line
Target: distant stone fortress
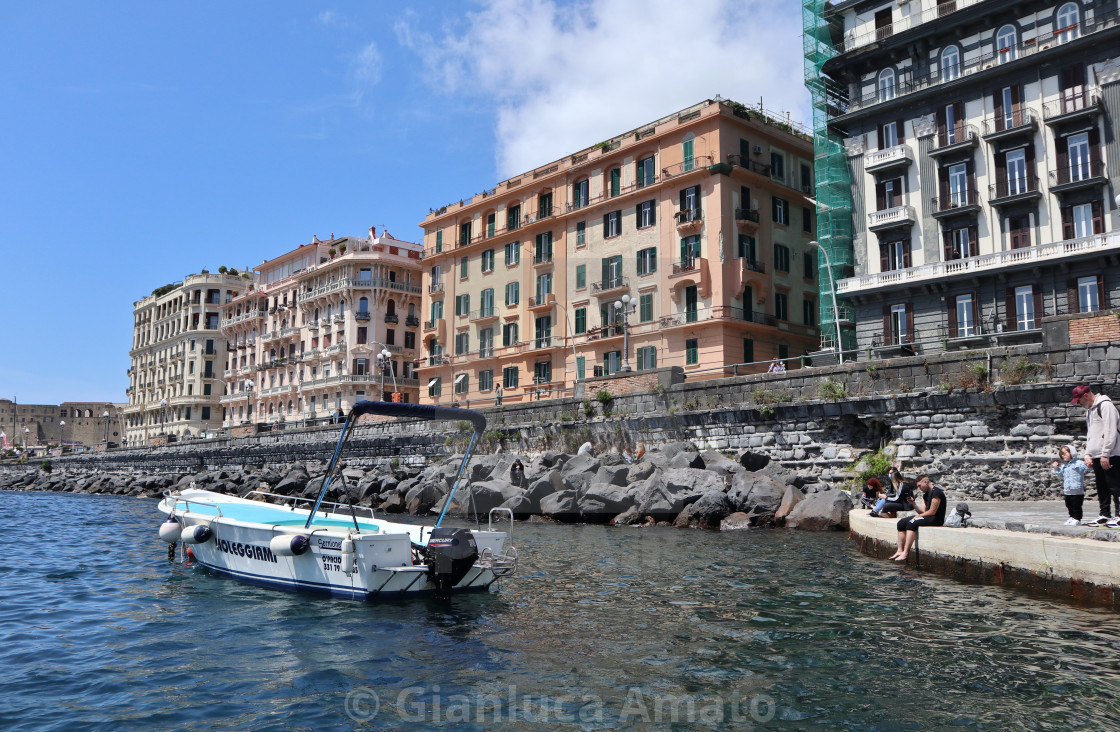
71 423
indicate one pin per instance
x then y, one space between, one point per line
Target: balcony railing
1071 104
957 201
955 137
743 161
435 287
1078 175
391 318
1026 256
700 162
539 259
747 214
1013 186
542 301
1009 123
890 157
361 315
686 265
891 217
754 266
412 321
609 285
483 313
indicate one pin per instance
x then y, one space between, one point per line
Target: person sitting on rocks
585 449
933 515
517 473
872 492
902 500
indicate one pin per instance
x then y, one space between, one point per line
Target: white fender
289 545
348 556
198 534
169 531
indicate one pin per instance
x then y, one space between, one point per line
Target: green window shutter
581 276
645 311
581 320
606 269
439 241
616 181
579 367
688 158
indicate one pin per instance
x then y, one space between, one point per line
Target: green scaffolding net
822 33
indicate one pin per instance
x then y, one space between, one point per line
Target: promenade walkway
1020 544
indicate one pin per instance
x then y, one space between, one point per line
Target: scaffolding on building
821 41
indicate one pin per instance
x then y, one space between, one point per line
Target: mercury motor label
252 551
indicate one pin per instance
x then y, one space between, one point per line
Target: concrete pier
1023 544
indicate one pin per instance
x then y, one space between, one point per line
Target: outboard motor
451 554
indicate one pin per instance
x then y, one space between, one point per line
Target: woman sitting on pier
902 500
934 515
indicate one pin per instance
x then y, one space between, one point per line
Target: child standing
1072 471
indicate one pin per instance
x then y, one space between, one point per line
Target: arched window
391 307
1006 40
886 85
1067 23
289 406
363 305
950 64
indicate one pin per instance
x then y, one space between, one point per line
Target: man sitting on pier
934 515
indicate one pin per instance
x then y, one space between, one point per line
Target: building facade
175 381
309 340
696 224
980 143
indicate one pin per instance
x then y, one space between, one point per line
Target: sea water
603 628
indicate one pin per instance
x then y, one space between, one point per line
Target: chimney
372 232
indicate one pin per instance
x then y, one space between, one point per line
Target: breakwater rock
677 484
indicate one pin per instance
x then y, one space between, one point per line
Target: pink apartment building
327 324
697 224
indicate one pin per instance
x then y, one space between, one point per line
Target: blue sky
141 141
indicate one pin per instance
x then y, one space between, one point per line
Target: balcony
487 352
725 312
683 318
482 314
436 288
892 157
891 218
439 360
1096 246
611 286
1078 176
747 220
412 321
361 316
746 163
958 138
546 342
285 332
1020 122
604 332
692 265
313 325
340 318
541 260
689 222
391 318
700 162
1072 106
543 302
957 203
334 350
1013 190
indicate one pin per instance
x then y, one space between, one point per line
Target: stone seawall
954 416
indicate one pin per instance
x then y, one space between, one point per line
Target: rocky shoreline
676 485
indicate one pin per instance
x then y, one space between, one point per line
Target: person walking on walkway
1102 451
1072 471
498 395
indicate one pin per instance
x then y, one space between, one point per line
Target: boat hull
367 560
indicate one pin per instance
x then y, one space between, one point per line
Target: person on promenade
1072 471
902 500
777 367
933 515
872 492
498 395
1102 448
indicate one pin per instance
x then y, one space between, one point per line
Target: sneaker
1073 522
1112 522
1099 521
873 514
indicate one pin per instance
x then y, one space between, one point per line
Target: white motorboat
338 548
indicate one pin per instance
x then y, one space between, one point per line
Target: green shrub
974 375
588 408
871 466
770 396
829 389
1021 372
604 397
463 426
46 466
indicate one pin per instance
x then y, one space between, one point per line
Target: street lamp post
626 305
62 436
835 309
26 437
249 400
105 416
385 364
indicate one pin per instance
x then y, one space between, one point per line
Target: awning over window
433 382
460 378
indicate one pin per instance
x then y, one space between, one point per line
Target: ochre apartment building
702 219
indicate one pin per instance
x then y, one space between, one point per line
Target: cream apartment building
175 381
697 223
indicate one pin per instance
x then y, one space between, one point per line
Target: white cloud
565 76
366 65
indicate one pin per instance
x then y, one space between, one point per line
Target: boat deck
264 513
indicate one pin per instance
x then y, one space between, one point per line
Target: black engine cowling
451 553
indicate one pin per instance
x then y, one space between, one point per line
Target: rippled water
604 629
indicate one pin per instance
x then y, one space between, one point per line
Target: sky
141 142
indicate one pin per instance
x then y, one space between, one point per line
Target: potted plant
332 251
342 248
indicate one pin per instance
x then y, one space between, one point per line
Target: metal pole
835 309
